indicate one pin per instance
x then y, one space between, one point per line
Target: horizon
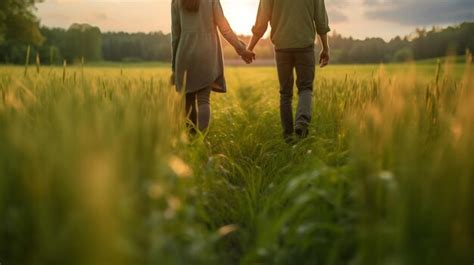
330 34
384 19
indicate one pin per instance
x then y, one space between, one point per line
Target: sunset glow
356 18
241 14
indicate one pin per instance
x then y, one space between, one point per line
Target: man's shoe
301 133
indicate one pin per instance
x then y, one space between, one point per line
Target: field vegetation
96 168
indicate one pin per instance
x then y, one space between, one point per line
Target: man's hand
324 58
248 56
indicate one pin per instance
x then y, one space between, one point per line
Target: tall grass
88 174
412 153
96 168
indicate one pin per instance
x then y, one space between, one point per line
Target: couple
198 66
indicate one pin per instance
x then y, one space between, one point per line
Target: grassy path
276 195
332 198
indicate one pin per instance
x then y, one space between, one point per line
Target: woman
198 66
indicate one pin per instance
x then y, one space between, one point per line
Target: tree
18 23
84 41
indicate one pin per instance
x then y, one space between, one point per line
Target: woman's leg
191 112
204 108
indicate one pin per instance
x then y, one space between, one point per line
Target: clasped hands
248 56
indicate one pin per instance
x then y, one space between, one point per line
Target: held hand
324 58
248 56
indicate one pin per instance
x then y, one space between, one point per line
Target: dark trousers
302 62
198 109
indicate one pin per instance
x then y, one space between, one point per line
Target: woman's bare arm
225 29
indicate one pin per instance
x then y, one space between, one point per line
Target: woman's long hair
190 5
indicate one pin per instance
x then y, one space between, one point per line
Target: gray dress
197 52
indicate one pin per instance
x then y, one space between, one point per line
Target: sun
241 14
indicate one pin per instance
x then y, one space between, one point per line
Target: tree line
422 44
85 42
19 29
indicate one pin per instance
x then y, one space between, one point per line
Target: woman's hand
248 56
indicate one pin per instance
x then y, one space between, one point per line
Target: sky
357 18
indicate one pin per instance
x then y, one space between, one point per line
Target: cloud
336 16
336 11
420 12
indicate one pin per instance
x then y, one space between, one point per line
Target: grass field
96 168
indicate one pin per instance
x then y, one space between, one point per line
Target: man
294 26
